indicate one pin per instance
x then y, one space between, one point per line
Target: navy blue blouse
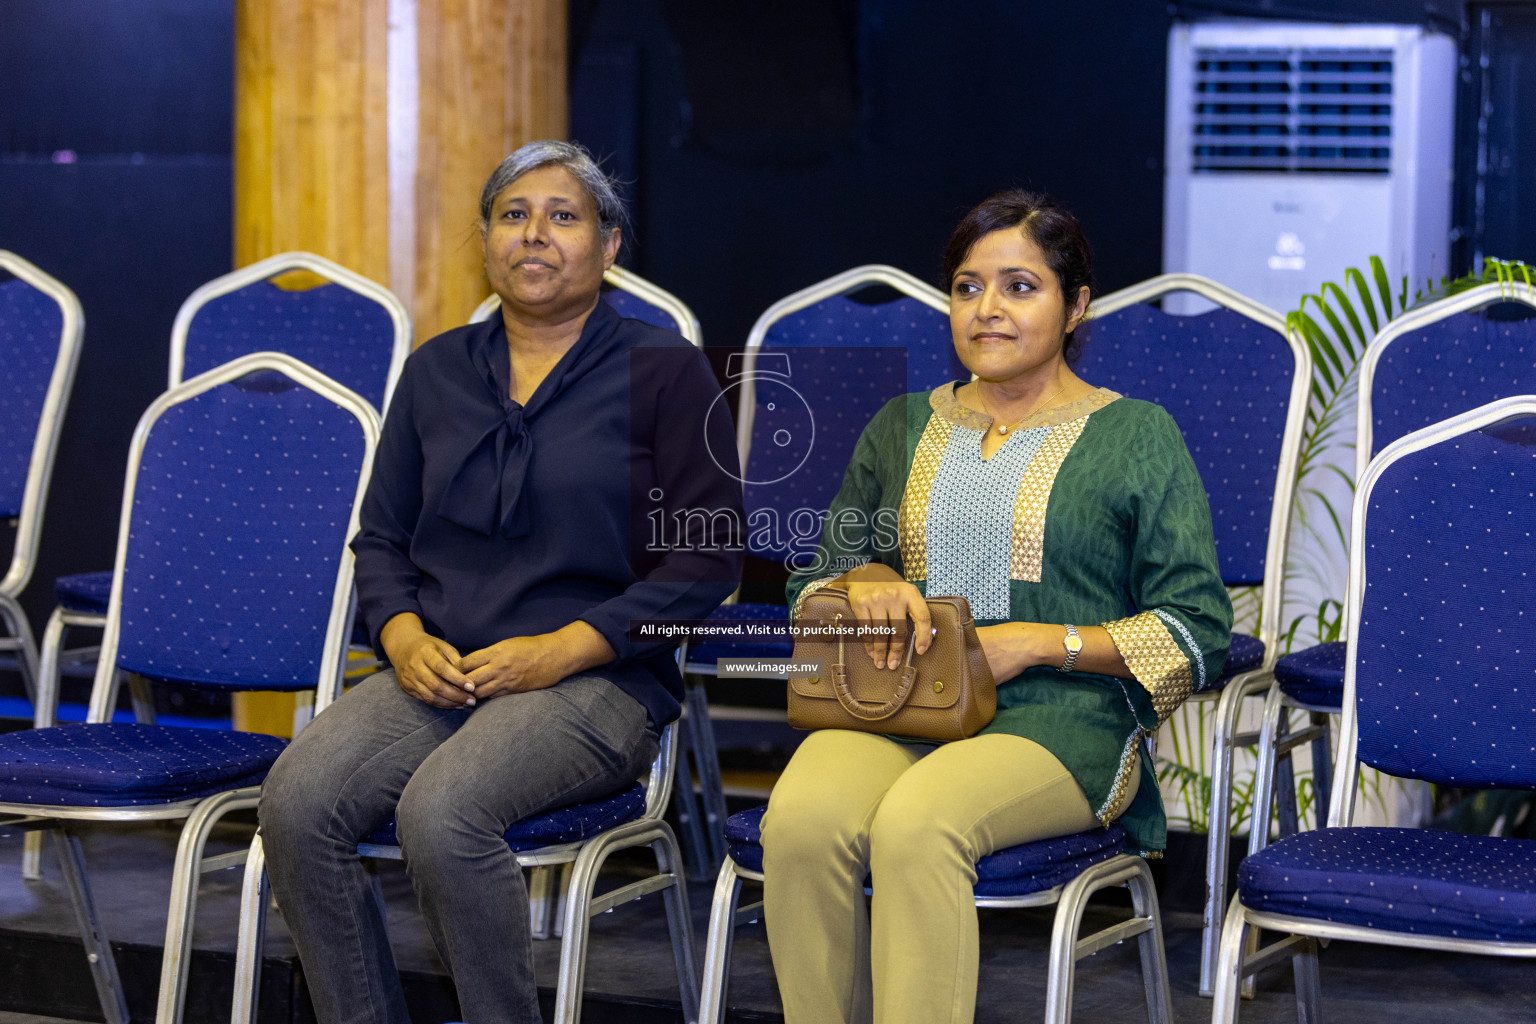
491 519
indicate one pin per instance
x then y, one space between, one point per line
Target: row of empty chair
1233 379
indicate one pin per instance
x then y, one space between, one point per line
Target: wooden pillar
364 130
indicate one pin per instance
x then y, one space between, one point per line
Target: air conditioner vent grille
1293 111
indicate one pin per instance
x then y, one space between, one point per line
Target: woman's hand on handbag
879 597
426 667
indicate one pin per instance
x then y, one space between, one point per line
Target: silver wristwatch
1074 645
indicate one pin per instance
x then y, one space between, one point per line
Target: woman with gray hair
501 558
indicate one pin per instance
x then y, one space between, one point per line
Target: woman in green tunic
1074 522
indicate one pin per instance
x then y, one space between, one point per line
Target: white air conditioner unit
1297 150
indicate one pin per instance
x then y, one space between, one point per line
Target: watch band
1074 645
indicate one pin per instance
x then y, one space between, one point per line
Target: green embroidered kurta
1089 514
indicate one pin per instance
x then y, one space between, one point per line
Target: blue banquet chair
352 330
1444 358
232 574
41 325
580 837
1436 688
1238 386
633 296
1065 871
817 366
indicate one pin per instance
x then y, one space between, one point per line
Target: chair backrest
817 367
632 296
232 564
1238 386
1442 359
41 325
1442 599
352 330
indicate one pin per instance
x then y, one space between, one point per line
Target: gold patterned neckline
945 404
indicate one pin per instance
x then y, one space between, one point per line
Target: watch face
1074 643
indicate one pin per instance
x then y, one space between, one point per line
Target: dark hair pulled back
1048 224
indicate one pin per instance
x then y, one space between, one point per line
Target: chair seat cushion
1014 871
1245 654
558 825
126 764
712 651
84 591
1398 879
1314 676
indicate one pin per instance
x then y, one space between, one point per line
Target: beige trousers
915 819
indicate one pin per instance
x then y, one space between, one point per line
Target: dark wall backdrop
769 146
115 161
773 145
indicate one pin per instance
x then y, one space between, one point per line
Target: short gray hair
573 156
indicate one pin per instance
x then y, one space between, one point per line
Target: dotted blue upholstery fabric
346 336
1444 660
126 764
1226 381
30 324
1314 676
1245 654
1015 871
84 591
559 825
746 612
637 308
1398 879
845 361
1449 367
239 521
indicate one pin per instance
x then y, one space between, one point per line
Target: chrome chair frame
583 859
700 732
45 445
634 284
1242 925
1256 683
198 815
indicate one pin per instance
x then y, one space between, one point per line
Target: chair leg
562 894
142 698
1322 768
701 735
669 860
98 951
717 949
1228 707
1229 969
1286 815
690 817
1309 985
183 907
251 933
26 647
1265 772
1154 956
542 897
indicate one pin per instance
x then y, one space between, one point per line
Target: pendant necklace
1003 428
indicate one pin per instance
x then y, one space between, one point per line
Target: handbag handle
873 712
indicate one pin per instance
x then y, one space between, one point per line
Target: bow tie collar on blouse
486 492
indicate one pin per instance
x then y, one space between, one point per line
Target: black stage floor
629 974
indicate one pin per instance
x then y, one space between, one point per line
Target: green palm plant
1337 324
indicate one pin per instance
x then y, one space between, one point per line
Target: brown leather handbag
945 693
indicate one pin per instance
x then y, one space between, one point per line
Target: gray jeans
455 781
